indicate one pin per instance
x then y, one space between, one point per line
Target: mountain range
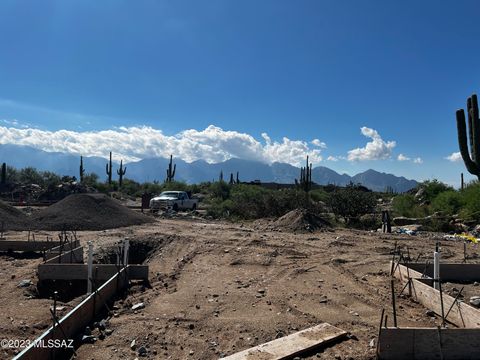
155 169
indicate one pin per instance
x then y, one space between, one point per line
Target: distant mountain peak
154 169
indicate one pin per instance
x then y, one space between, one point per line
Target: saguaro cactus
82 170
470 158
3 178
305 177
108 169
220 177
121 171
238 180
170 170
232 181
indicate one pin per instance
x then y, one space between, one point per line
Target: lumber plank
57 250
13 245
101 272
292 345
463 315
67 257
428 344
75 321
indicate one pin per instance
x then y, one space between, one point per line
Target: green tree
350 203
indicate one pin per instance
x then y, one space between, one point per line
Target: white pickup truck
175 200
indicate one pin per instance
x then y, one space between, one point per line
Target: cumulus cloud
377 149
418 160
402 157
212 144
319 143
454 157
332 158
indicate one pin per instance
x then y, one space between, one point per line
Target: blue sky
303 70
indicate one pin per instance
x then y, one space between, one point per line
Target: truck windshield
170 194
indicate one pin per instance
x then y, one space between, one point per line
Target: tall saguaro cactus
108 169
121 171
82 170
470 158
170 170
3 178
305 177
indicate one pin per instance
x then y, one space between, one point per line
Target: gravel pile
87 212
12 218
299 220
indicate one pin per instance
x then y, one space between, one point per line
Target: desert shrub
319 195
405 205
471 200
350 203
174 186
244 201
449 202
220 190
219 208
433 188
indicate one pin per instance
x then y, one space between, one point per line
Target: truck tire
175 207
194 207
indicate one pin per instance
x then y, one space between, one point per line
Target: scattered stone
88 339
430 313
133 344
475 301
87 331
372 343
25 283
138 306
261 291
108 332
142 351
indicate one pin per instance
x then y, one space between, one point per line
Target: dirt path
220 288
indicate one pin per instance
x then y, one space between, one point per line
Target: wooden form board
67 257
57 250
292 345
13 245
428 344
462 315
101 272
75 321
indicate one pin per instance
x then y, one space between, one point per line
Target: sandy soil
218 288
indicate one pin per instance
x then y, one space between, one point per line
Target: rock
87 331
142 351
133 344
25 283
430 313
88 339
102 325
475 301
138 306
372 343
261 291
108 332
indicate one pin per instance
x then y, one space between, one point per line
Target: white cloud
319 143
402 157
454 157
212 144
377 149
332 158
418 160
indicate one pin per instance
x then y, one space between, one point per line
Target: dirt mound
87 212
300 220
13 218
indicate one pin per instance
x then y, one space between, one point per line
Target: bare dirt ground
218 288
